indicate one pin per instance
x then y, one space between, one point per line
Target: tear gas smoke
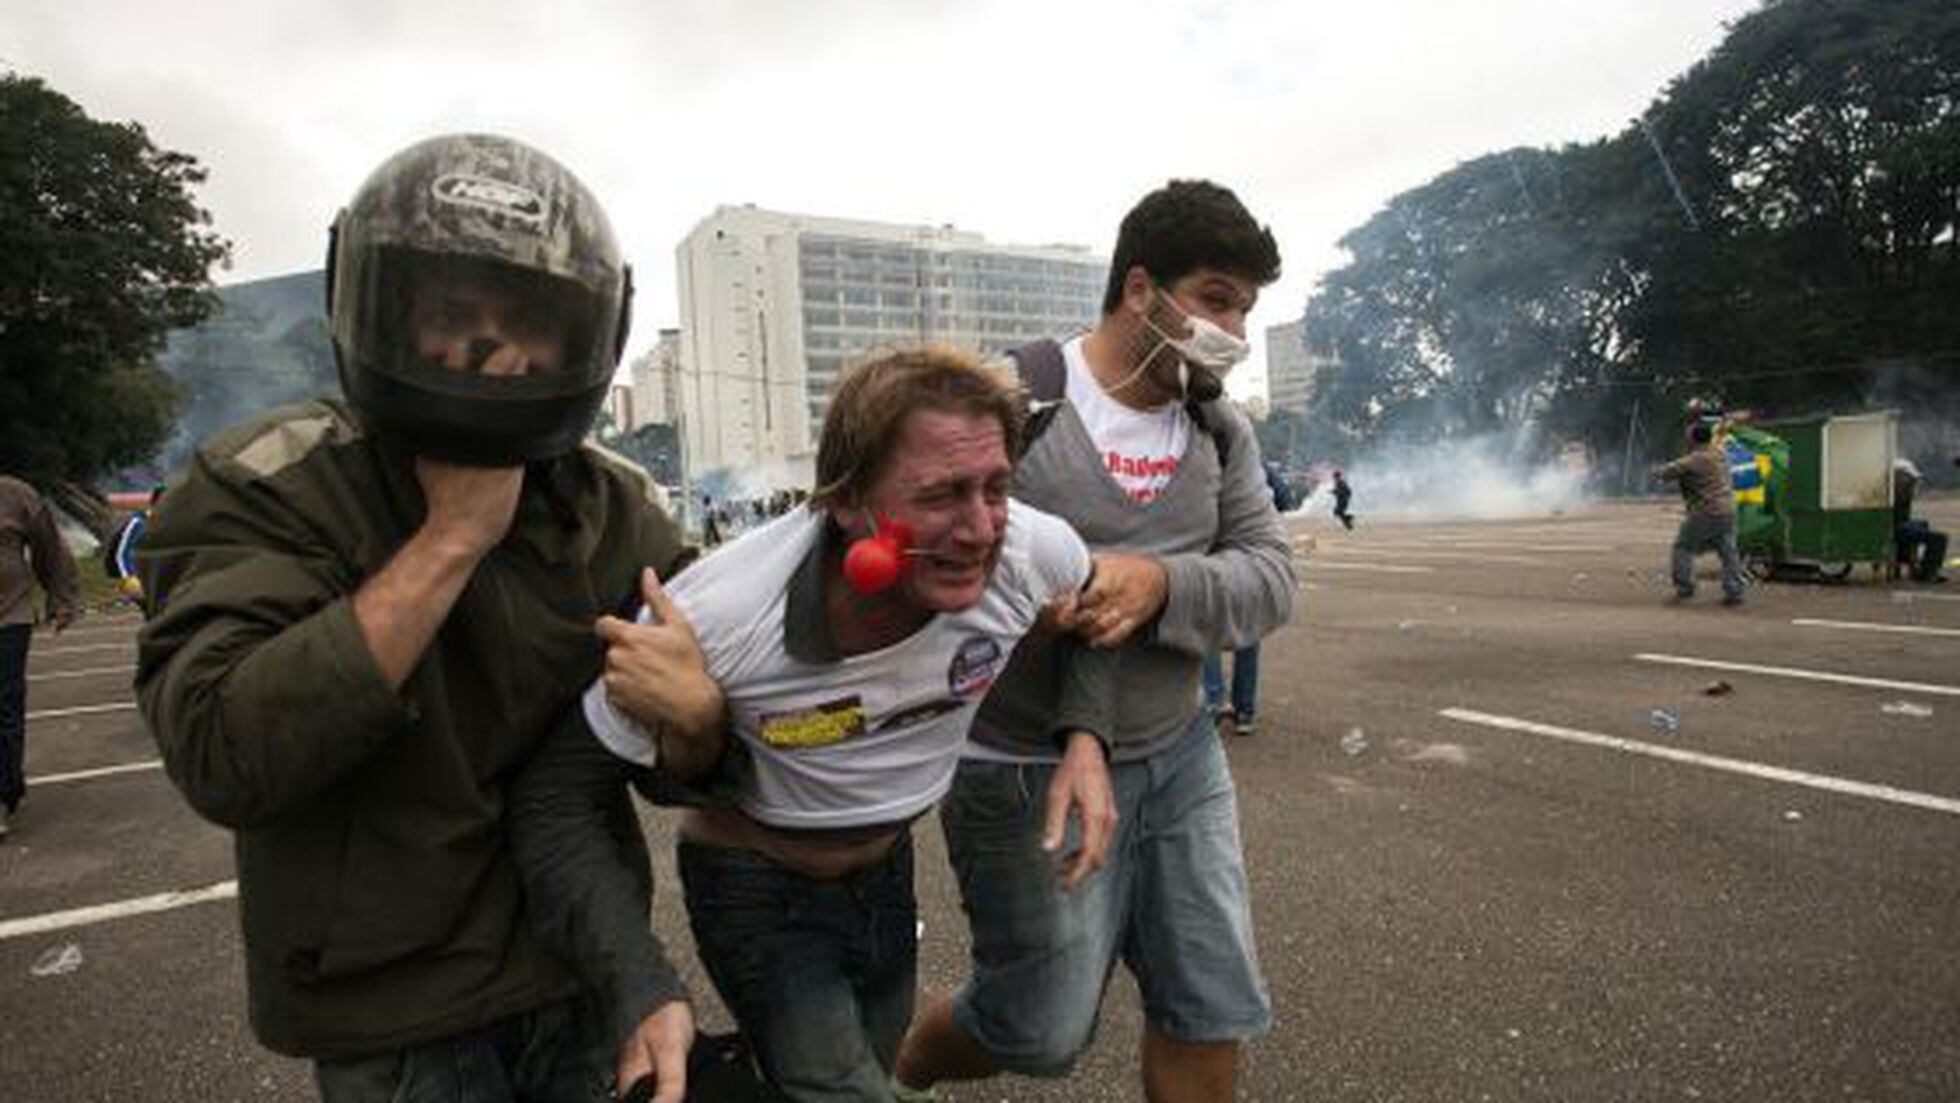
1467 478
755 481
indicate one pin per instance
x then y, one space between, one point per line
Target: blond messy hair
874 397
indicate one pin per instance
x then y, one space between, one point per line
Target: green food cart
1814 495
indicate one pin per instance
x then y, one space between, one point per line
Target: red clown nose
873 563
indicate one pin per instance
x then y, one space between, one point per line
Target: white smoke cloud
1479 478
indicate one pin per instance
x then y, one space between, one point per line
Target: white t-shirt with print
1140 448
871 738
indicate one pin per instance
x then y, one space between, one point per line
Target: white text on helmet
495 196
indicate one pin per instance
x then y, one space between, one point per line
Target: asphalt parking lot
1509 838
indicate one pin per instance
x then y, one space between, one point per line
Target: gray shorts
1171 902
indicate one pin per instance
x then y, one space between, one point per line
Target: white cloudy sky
1024 120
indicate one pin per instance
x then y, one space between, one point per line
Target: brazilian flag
1759 464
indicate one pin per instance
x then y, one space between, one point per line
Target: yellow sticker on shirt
828 723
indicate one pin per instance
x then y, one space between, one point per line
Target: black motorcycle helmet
454 248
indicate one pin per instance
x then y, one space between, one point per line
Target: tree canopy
1776 231
654 446
267 343
103 251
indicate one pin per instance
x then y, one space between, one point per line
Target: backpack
1282 494
1044 373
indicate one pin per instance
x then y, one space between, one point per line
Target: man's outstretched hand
1081 782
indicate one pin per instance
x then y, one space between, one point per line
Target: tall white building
773 305
619 407
1291 368
657 382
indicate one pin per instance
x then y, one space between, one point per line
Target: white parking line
1810 675
1583 530
1921 595
100 771
81 710
1319 564
81 673
120 909
1712 762
1867 626
102 629
1521 546
49 653
1466 556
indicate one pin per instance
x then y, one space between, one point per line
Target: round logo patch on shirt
974 667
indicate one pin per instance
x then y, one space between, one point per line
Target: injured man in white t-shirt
853 642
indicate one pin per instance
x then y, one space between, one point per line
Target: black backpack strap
1044 381
1042 369
1207 421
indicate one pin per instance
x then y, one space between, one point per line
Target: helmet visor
476 328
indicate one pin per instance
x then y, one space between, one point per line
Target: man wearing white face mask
1165 482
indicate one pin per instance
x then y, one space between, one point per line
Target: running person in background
120 560
1343 493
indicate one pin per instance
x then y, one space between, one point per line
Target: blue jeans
555 1054
14 639
820 974
1699 533
1170 901
1245 681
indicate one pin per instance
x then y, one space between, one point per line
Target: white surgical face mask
1209 347
1210 350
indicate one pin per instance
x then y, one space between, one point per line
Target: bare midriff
824 855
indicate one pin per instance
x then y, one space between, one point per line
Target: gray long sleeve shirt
1707 487
1230 571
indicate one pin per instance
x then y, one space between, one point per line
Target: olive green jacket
378 898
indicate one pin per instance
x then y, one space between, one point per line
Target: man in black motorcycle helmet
479 303
367 615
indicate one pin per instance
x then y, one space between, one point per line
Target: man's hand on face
1127 592
658 1048
470 507
657 673
1081 782
506 360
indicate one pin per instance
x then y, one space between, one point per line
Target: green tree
655 446
102 252
1279 437
1777 231
1470 301
1819 149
